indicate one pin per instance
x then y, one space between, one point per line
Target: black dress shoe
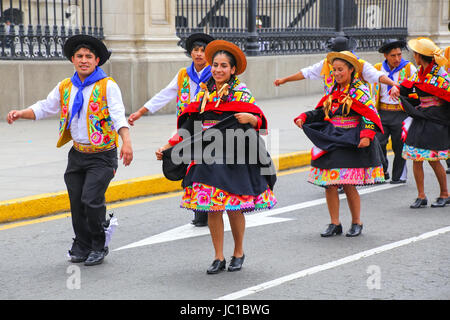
78 253
216 266
236 263
332 230
419 203
96 257
201 219
440 202
387 176
355 230
397 181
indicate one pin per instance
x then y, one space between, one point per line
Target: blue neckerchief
95 76
206 74
403 63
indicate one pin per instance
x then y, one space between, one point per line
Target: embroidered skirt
419 154
346 176
202 197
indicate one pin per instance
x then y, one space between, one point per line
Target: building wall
141 34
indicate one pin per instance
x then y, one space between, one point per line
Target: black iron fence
37 29
272 27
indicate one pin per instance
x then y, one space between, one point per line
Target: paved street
402 253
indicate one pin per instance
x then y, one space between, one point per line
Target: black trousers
392 122
87 177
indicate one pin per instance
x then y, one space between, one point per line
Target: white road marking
332 264
259 219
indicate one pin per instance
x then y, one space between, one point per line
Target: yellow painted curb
50 203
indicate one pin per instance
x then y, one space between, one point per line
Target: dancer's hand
364 143
299 123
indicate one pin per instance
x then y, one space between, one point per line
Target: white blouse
162 98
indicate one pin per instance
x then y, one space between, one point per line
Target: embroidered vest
184 95
100 127
404 73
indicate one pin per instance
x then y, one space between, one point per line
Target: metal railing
292 26
37 29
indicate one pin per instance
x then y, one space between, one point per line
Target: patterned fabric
419 154
202 197
238 92
183 96
101 131
345 122
437 77
349 176
356 91
431 101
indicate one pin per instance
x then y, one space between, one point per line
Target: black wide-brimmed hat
339 44
73 42
389 44
197 37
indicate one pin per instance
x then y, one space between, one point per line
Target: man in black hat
323 70
92 114
389 108
184 87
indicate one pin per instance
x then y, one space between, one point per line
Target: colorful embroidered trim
419 154
87 148
351 176
202 197
345 122
431 101
390 107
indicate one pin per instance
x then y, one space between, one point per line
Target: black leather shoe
96 257
419 203
355 230
78 253
236 263
332 230
447 171
387 176
201 219
397 181
440 202
216 266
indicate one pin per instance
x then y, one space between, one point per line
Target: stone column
142 37
430 19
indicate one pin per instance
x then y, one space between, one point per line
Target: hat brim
416 46
393 44
347 56
218 45
195 37
73 42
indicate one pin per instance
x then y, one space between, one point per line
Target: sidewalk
32 168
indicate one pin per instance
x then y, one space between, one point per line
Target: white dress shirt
78 128
162 98
384 94
369 73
